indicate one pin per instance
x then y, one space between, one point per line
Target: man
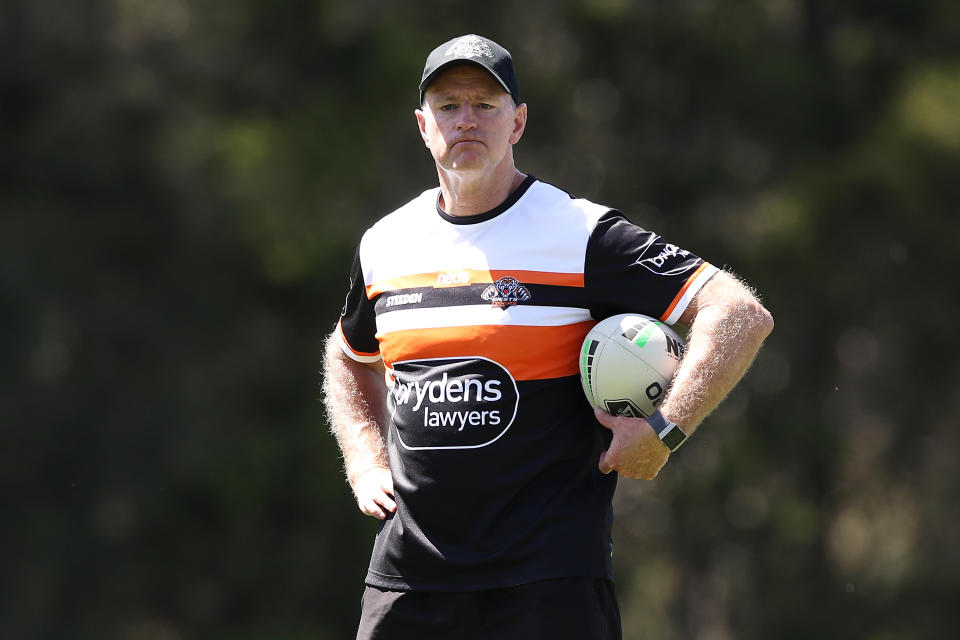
451 381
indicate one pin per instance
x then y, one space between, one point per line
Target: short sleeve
630 270
357 329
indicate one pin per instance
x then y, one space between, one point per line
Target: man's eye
448 107
484 105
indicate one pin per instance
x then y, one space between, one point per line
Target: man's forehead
464 75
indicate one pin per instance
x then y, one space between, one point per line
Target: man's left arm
727 326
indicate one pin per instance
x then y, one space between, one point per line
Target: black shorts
576 608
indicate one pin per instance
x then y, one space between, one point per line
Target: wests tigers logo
506 292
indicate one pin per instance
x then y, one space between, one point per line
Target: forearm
728 327
355 399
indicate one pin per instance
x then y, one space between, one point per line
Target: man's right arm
355 396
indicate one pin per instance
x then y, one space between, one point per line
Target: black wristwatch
670 434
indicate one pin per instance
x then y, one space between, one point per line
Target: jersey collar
493 213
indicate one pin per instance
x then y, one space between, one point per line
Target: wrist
670 434
355 472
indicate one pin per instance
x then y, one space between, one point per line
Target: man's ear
519 123
422 125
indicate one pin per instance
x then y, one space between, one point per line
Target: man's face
468 121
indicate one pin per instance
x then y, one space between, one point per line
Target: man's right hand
374 492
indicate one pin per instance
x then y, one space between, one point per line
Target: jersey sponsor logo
505 292
671 261
451 403
452 279
404 298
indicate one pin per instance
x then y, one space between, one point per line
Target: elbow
763 322
754 320
737 306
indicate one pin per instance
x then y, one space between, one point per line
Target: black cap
472 49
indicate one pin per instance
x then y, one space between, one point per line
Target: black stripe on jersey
541 295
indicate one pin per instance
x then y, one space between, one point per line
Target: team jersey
479 320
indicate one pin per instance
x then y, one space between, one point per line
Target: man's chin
468 164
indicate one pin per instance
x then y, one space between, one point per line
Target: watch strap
670 434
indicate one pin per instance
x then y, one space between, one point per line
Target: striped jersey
479 320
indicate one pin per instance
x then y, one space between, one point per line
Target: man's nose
468 119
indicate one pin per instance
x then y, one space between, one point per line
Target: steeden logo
505 292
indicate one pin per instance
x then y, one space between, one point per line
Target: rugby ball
627 362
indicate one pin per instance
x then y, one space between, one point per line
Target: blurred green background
182 186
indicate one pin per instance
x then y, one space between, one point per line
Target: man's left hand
635 451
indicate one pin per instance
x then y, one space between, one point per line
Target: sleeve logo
670 261
346 302
505 292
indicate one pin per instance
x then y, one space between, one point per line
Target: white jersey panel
481 314
545 230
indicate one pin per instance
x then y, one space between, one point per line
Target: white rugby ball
627 362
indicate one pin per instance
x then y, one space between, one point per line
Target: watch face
673 438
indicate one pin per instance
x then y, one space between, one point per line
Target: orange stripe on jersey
686 285
464 277
436 279
529 353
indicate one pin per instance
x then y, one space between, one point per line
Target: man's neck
462 196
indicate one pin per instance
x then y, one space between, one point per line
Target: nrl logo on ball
505 292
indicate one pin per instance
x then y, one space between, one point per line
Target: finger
605 466
370 503
371 508
604 418
386 501
387 485
377 504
